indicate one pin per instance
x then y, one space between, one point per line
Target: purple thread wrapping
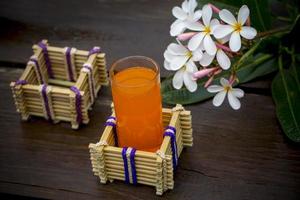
92 80
77 103
112 117
21 82
38 69
132 163
173 144
172 128
125 164
69 64
108 123
46 101
46 57
94 50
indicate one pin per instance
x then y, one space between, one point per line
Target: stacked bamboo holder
28 99
153 169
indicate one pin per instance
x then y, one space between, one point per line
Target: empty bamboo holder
110 162
60 84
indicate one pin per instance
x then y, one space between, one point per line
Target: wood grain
236 154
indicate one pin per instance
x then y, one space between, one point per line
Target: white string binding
129 149
87 69
178 107
48 91
164 168
101 143
72 59
41 78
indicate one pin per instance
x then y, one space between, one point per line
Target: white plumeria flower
177 55
222 58
205 30
235 28
185 75
226 88
185 16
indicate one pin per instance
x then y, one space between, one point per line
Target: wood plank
236 154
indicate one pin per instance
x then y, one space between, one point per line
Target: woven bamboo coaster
60 84
110 162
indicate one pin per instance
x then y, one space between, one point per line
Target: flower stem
273 31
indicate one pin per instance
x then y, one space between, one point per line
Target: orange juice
137 102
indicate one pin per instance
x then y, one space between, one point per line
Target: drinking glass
135 83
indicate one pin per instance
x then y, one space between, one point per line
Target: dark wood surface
236 154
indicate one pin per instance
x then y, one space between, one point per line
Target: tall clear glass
135 83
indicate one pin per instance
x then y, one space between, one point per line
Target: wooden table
236 155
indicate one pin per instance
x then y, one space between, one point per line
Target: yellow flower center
207 30
237 27
227 88
189 54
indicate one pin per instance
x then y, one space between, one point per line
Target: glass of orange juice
135 83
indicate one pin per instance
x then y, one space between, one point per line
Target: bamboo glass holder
153 169
66 67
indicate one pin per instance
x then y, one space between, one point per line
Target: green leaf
260 13
254 67
286 96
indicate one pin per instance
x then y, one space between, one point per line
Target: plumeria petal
197 15
209 45
167 65
223 59
185 6
215 88
178 79
235 41
224 82
243 14
179 13
206 59
233 101
168 56
248 32
221 31
191 67
213 24
192 6
195 41
206 14
197 55
224 39
177 21
195 26
189 83
237 92
177 49
178 62
227 17
219 98
177 28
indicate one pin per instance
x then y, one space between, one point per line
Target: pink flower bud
186 36
223 47
214 8
203 72
248 23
